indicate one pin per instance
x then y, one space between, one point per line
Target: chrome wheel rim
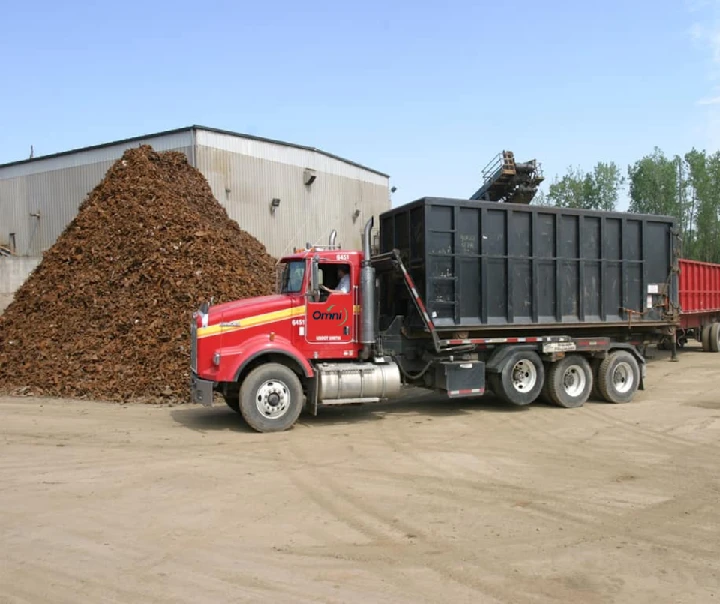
524 376
272 399
623 377
574 381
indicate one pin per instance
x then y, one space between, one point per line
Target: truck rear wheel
271 398
569 382
618 377
705 338
521 378
715 337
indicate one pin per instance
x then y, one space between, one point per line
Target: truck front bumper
201 390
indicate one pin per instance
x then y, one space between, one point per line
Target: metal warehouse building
283 194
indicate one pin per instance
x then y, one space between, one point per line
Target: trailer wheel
715 337
569 382
618 377
521 378
271 398
705 338
544 395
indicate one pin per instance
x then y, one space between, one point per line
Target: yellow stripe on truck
270 317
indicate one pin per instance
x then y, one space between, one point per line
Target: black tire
271 398
521 378
569 382
618 377
595 392
545 390
493 382
705 338
233 401
715 337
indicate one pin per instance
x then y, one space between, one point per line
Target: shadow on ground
418 405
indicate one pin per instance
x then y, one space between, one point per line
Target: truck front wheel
271 398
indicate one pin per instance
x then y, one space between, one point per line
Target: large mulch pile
106 314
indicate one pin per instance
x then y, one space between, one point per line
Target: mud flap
201 391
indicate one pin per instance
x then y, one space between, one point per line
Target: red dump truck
699 304
462 297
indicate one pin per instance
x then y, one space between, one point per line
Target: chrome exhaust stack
367 294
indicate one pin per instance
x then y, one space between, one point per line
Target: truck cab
326 320
310 319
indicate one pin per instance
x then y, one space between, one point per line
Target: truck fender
497 359
245 354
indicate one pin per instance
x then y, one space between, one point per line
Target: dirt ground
418 501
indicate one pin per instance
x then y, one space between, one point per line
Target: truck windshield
291 281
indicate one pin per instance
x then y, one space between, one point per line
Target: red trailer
699 304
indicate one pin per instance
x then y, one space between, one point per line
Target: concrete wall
39 198
13 272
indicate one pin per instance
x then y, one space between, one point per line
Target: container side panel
546 291
699 287
497 291
522 291
569 292
520 234
592 291
468 285
613 239
546 236
590 240
633 240
494 231
481 264
570 241
612 284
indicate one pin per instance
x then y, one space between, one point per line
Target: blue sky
427 92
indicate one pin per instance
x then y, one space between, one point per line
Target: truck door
332 320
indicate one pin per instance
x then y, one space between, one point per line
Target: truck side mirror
315 279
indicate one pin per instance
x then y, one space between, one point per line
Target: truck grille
193 345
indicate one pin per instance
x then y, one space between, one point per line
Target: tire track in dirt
347 512
398 539
595 517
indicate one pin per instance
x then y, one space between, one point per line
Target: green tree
656 186
702 239
596 190
568 192
541 199
602 187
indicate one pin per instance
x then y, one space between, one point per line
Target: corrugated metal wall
245 175
55 187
